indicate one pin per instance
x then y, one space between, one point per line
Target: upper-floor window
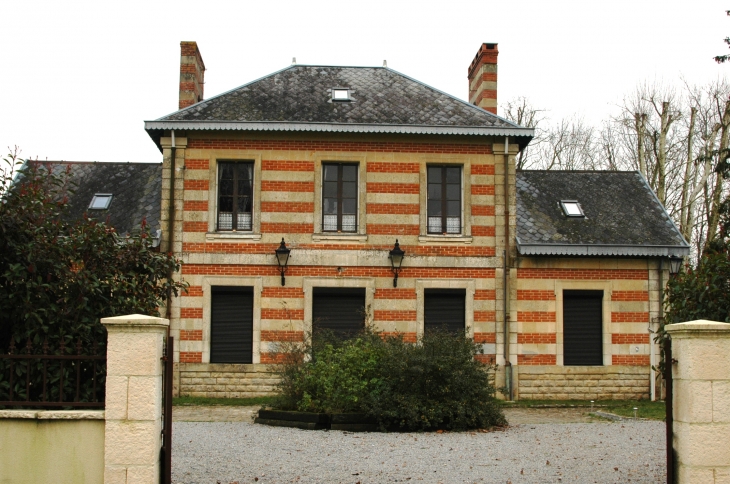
235 196
444 199
339 197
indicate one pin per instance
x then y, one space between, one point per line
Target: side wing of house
587 284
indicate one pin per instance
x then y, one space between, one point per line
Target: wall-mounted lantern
282 258
675 265
396 259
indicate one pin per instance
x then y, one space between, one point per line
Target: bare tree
520 111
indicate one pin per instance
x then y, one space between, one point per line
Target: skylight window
100 201
340 94
572 208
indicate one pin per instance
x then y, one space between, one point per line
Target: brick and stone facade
507 293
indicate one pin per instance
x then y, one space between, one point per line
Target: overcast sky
80 77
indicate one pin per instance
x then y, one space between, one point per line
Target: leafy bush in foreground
436 383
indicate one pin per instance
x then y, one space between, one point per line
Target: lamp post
282 258
396 259
675 265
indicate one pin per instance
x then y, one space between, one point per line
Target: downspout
505 281
652 355
171 225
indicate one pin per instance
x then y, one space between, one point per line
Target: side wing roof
623 217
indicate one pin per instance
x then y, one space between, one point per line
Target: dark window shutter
231 325
583 328
338 309
444 309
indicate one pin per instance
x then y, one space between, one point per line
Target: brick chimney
192 74
483 78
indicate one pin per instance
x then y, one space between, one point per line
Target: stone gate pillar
132 433
701 403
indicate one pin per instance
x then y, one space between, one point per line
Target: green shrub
436 383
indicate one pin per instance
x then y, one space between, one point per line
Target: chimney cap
487 54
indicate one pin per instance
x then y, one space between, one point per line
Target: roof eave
155 128
606 250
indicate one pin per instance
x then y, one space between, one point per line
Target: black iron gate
166 450
668 361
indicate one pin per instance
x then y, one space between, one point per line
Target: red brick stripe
286 165
482 230
274 228
395 294
191 357
194 291
193 164
485 338
485 295
282 335
486 359
620 338
392 229
276 313
287 207
375 167
191 313
362 271
629 317
273 358
196 184
535 295
393 315
483 210
404 188
536 316
482 169
588 274
283 292
195 205
629 296
482 189
630 360
195 226
536 338
485 316
394 208
286 186
191 335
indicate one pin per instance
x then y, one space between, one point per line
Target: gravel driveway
241 452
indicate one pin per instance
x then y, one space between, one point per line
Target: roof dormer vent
100 201
340 94
571 208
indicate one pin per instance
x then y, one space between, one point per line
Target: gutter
603 250
171 225
505 281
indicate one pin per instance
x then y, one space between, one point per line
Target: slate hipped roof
623 217
136 190
299 98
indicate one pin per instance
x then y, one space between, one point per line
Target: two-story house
346 165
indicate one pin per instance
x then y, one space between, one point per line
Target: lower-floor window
340 310
444 309
583 328
231 324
